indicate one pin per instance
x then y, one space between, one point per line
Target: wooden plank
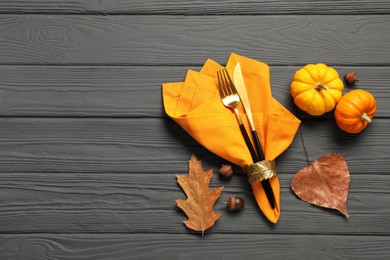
160 145
141 246
145 203
121 91
190 40
85 91
196 7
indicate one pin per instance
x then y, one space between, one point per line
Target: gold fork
231 99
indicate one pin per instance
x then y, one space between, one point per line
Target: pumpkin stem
319 86
364 116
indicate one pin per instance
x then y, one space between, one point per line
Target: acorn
235 203
350 78
226 170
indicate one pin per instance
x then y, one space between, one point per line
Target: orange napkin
196 105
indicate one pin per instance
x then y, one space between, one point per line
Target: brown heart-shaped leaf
324 183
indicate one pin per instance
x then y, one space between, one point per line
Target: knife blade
241 89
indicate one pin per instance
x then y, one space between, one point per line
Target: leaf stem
304 146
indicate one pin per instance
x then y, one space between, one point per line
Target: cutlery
243 96
231 99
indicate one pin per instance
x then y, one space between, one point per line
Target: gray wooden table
88 158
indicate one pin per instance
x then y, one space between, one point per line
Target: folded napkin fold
196 106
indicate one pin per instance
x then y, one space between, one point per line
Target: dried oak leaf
324 183
200 199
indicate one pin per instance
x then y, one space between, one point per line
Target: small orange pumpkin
355 111
316 88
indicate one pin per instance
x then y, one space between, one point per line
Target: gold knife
241 89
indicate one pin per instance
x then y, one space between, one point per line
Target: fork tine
232 87
220 84
226 84
229 83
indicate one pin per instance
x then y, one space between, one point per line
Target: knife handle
268 191
248 142
258 146
266 184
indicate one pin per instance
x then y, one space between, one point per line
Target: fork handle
258 146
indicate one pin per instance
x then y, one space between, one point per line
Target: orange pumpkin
316 88
355 111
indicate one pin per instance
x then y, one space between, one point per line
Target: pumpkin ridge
321 70
313 104
329 100
308 68
348 112
336 84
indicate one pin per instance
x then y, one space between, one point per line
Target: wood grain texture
143 246
145 203
121 91
161 146
196 7
190 40
88 158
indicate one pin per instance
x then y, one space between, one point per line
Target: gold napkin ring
261 171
